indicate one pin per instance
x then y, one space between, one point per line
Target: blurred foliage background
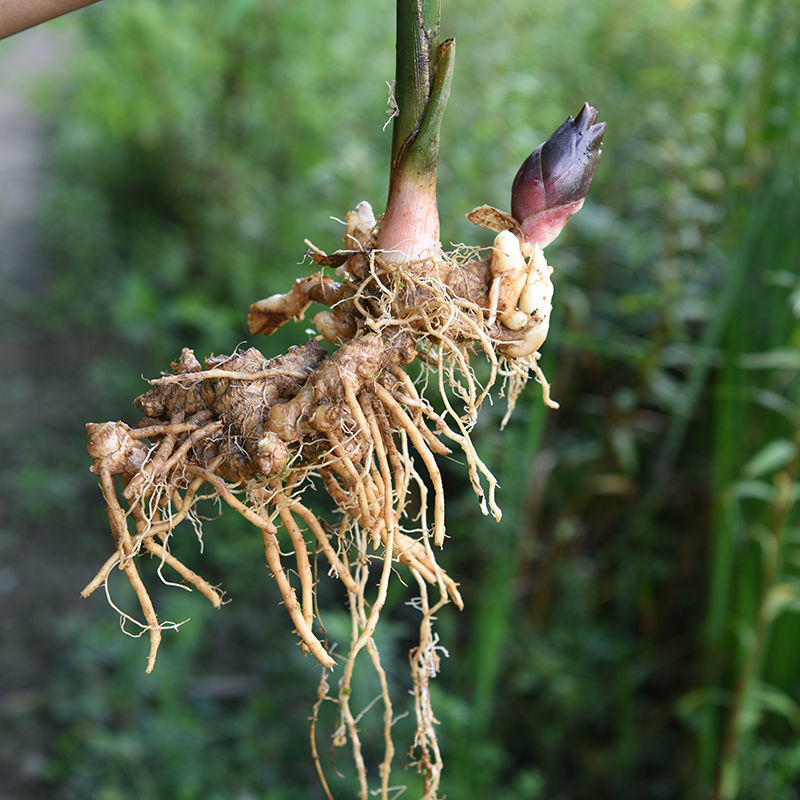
631 628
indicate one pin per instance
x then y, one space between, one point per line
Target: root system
256 433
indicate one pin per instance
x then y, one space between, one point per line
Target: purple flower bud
552 182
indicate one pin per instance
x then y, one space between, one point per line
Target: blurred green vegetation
631 627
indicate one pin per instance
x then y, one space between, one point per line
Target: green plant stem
423 153
726 781
762 225
424 74
417 41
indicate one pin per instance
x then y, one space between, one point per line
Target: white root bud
506 254
360 226
535 302
532 340
509 271
333 328
537 293
515 320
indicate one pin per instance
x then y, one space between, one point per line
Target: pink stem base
410 228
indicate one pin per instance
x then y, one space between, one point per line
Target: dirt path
23 60
39 571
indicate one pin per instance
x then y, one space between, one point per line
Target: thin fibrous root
424 661
303 564
322 539
202 585
120 529
396 411
272 552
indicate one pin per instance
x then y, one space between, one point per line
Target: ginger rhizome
262 435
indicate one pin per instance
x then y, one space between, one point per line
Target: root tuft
254 434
